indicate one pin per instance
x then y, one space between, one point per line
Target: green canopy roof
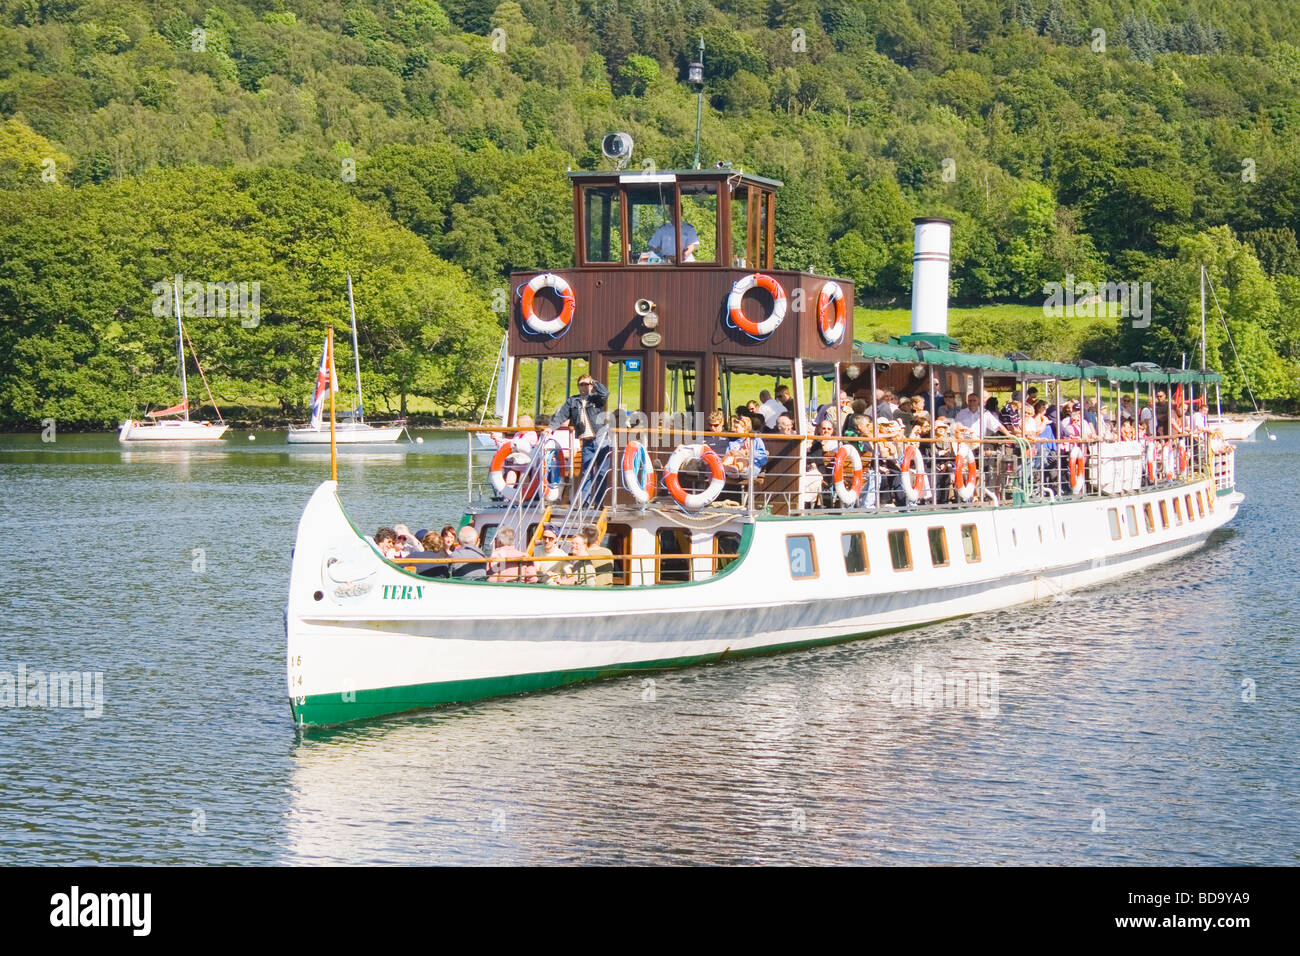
895 352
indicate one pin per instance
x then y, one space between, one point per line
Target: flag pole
329 350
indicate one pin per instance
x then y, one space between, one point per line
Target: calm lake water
1148 721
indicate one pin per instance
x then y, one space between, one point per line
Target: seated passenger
386 541
450 540
717 442
433 549
471 563
784 424
744 455
578 569
508 562
602 559
550 570
407 542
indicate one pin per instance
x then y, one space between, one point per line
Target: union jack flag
326 381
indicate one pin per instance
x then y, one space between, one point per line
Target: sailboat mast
1202 318
180 345
356 352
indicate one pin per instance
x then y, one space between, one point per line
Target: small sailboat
353 429
160 426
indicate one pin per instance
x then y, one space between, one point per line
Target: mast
356 352
1202 318
180 344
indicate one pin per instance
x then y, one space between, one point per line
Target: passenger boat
712 561
355 430
160 426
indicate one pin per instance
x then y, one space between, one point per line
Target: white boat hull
1235 429
346 434
365 638
133 431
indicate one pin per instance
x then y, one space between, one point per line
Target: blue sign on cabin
632 365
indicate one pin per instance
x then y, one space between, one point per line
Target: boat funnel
930 255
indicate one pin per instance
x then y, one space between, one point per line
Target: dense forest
423 147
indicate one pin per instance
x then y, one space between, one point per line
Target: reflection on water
1152 720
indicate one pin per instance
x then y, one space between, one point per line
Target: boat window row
802 553
1193 504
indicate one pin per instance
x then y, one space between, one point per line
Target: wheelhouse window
699 222
854 545
652 231
938 547
970 543
602 209
803 556
900 551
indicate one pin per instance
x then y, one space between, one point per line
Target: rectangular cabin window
854 545
803 556
1164 515
1131 516
700 222
740 230
1150 518
1113 515
938 547
673 549
1188 499
602 214
726 545
652 232
1178 511
900 551
970 542
485 537
618 538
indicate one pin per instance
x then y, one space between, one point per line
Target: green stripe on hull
322 710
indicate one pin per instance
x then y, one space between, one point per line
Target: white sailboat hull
1235 429
133 431
349 433
365 638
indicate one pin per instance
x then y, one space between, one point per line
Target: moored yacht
839 524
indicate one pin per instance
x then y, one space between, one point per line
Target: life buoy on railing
1078 463
916 483
638 473
1169 462
552 475
700 499
758 330
551 326
847 493
1184 461
1151 462
496 471
831 298
966 473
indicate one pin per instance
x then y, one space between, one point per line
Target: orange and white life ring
1151 462
700 499
552 485
831 298
916 483
1184 460
551 326
966 473
636 462
1078 461
847 493
1169 461
758 330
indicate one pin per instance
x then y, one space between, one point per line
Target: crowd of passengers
450 553
885 425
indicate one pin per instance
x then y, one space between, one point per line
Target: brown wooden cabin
685 357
